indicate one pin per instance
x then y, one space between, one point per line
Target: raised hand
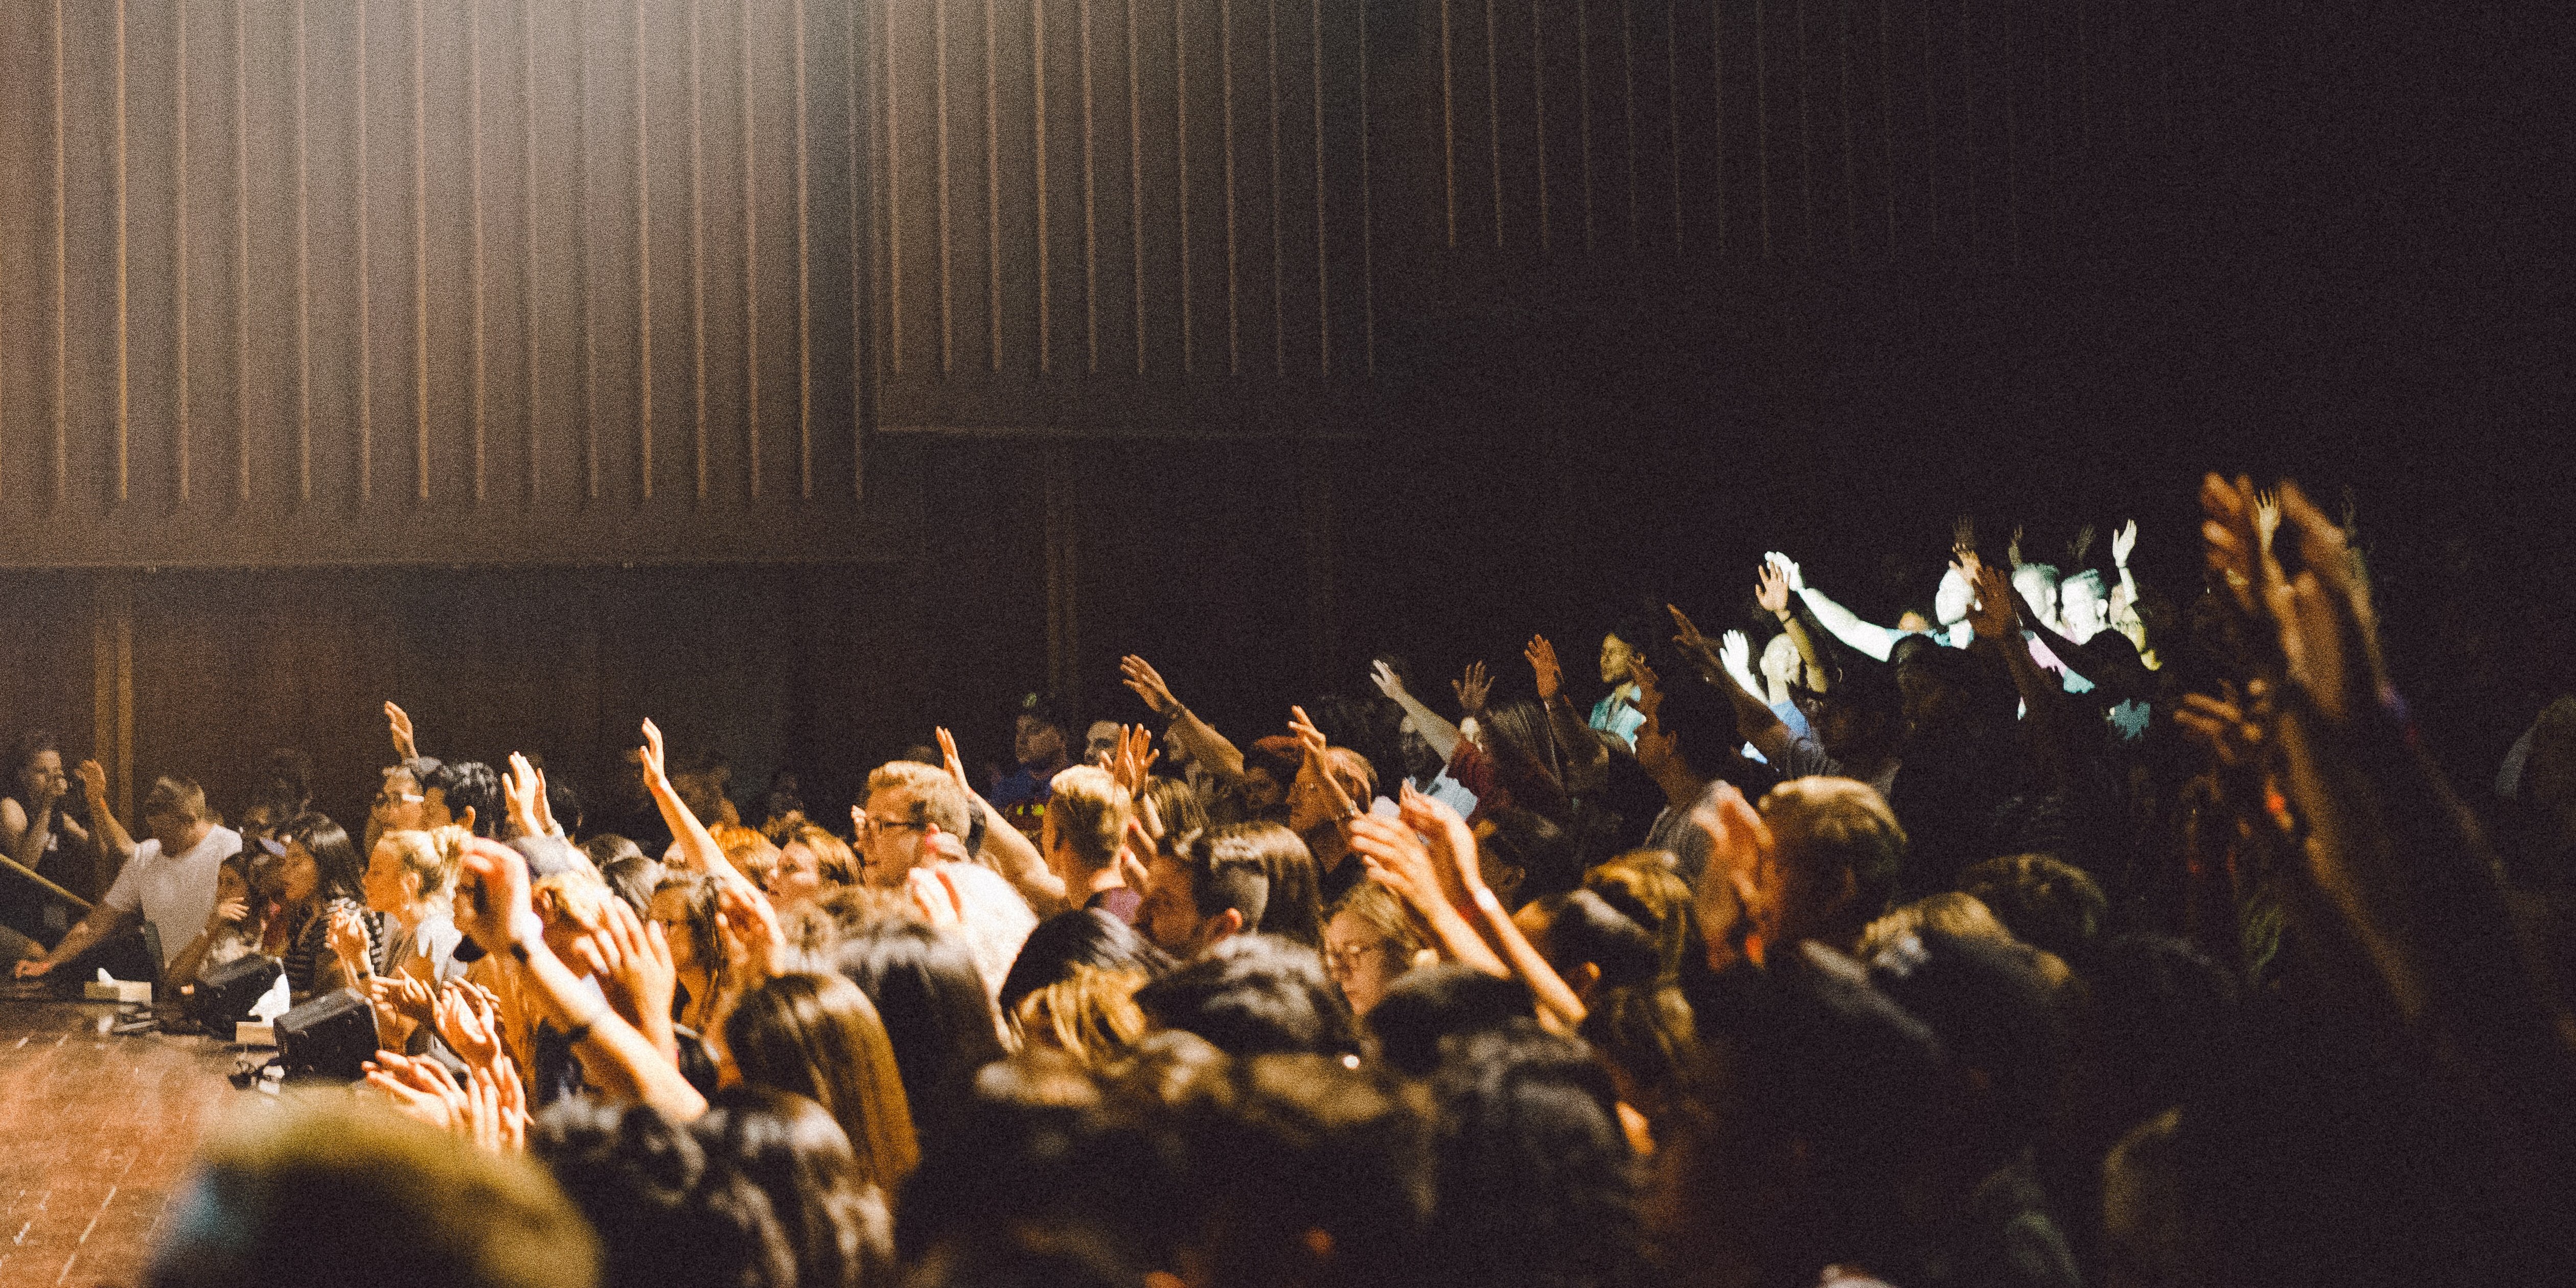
2123 540
1147 683
1738 842
1686 634
2012 551
656 761
1788 568
1310 740
349 941
523 792
418 1089
949 759
1472 688
1771 588
494 1115
1387 681
93 780
398 722
2320 619
755 944
1398 858
2081 546
227 914
1450 843
492 904
1994 615
2222 727
1735 653
1134 763
1963 534
1650 689
1543 668
632 959
2267 514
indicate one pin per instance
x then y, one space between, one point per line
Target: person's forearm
1758 723
1811 668
1874 640
619 1056
1434 728
191 959
112 836
28 846
1572 729
688 833
1207 746
1553 993
99 925
1011 853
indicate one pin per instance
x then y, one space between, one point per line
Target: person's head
411 870
1647 886
608 848
810 861
1950 602
174 811
1429 1006
1213 884
2083 606
2043 901
684 904
1993 1011
1589 943
1618 656
1039 737
1522 854
399 799
1100 743
1946 693
1079 937
932 1002
1855 717
2037 583
1782 665
1292 906
1421 761
1310 806
704 782
1174 805
1085 826
633 878
1369 943
1090 1014
1269 766
819 1036
1835 857
1254 995
906 801
233 881
665 1212
1692 733
326 1194
1948 911
833 1215
466 794
36 767
1311 1172
1648 1038
321 862
1537 1183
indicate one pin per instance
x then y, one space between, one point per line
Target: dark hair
1537 1183
1520 731
2045 902
469 785
1649 1033
285 782
665 1213
819 1036
1176 806
634 878
699 899
1528 840
343 870
1989 1005
1430 1004
1582 927
1290 1145
932 1002
1255 995
1292 905
1083 936
1701 724
23 752
834 1218
2165 1019
564 802
1230 867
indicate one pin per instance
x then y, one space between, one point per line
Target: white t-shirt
175 893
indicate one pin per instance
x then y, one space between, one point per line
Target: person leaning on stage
168 880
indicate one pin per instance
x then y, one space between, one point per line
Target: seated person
168 880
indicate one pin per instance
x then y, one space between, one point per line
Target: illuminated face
1363 961
799 876
1169 915
2085 612
889 838
302 876
1950 602
389 884
1100 743
44 778
1616 659
1780 659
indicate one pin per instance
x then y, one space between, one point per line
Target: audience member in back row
1957 987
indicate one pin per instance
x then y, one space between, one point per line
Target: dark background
2321 241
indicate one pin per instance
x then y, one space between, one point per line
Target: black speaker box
222 997
328 1037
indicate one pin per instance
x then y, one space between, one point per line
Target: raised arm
1397 859
1572 731
112 838
695 842
1754 717
1773 585
495 910
1875 640
1442 735
1207 746
1451 842
1997 619
1006 848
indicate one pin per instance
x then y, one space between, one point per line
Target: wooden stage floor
96 1130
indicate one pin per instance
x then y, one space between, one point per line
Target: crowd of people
2074 934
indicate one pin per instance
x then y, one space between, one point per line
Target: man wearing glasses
912 833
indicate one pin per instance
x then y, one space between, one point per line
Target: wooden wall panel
300 282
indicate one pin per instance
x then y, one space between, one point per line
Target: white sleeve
126 895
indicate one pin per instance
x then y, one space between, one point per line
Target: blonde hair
936 799
1090 812
819 1036
747 850
1383 912
1090 1015
1837 821
832 856
432 857
576 896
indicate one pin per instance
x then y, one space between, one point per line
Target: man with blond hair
1083 836
1831 864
